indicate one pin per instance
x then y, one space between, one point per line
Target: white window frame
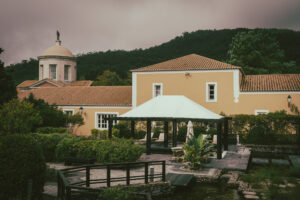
66 110
215 92
68 73
51 65
154 87
104 113
261 112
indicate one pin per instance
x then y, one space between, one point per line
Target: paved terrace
235 159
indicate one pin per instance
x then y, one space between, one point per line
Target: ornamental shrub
66 148
85 149
21 160
47 130
140 134
124 129
117 150
49 142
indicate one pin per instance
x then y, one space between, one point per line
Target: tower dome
58 50
57 63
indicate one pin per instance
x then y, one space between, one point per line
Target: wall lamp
80 109
187 74
289 99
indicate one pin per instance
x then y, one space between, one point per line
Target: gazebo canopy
171 107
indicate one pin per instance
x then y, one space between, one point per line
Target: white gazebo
172 108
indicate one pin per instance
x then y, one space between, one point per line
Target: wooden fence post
87 176
128 175
108 175
146 172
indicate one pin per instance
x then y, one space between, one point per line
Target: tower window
66 72
42 71
53 72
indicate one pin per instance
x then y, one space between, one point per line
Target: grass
271 181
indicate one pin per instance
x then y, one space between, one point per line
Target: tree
258 52
51 116
73 121
18 117
108 78
7 85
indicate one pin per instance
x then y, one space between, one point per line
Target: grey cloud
28 27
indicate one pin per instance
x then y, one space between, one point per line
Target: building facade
217 86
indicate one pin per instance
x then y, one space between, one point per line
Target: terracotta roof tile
27 83
188 62
83 95
81 83
271 82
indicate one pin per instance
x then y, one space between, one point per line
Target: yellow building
215 85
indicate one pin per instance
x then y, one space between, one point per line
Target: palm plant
197 150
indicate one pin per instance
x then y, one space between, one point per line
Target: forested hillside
210 43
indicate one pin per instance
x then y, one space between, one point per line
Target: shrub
182 131
66 148
273 128
85 149
99 134
140 134
117 150
117 193
47 130
21 160
156 132
199 130
18 117
49 142
197 150
124 129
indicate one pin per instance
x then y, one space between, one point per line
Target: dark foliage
51 116
7 85
210 43
48 143
21 160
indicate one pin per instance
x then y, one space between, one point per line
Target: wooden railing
66 189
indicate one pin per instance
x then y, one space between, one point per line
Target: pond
201 191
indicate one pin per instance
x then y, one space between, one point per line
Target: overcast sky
27 27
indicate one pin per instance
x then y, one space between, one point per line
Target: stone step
50 189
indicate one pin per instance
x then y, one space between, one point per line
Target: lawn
275 182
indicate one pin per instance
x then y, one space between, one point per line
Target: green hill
210 43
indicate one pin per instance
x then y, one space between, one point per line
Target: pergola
173 109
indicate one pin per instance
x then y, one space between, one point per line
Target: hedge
21 160
104 151
48 130
49 142
273 128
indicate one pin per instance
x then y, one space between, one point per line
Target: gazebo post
148 141
174 144
225 138
166 133
110 128
132 128
219 142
